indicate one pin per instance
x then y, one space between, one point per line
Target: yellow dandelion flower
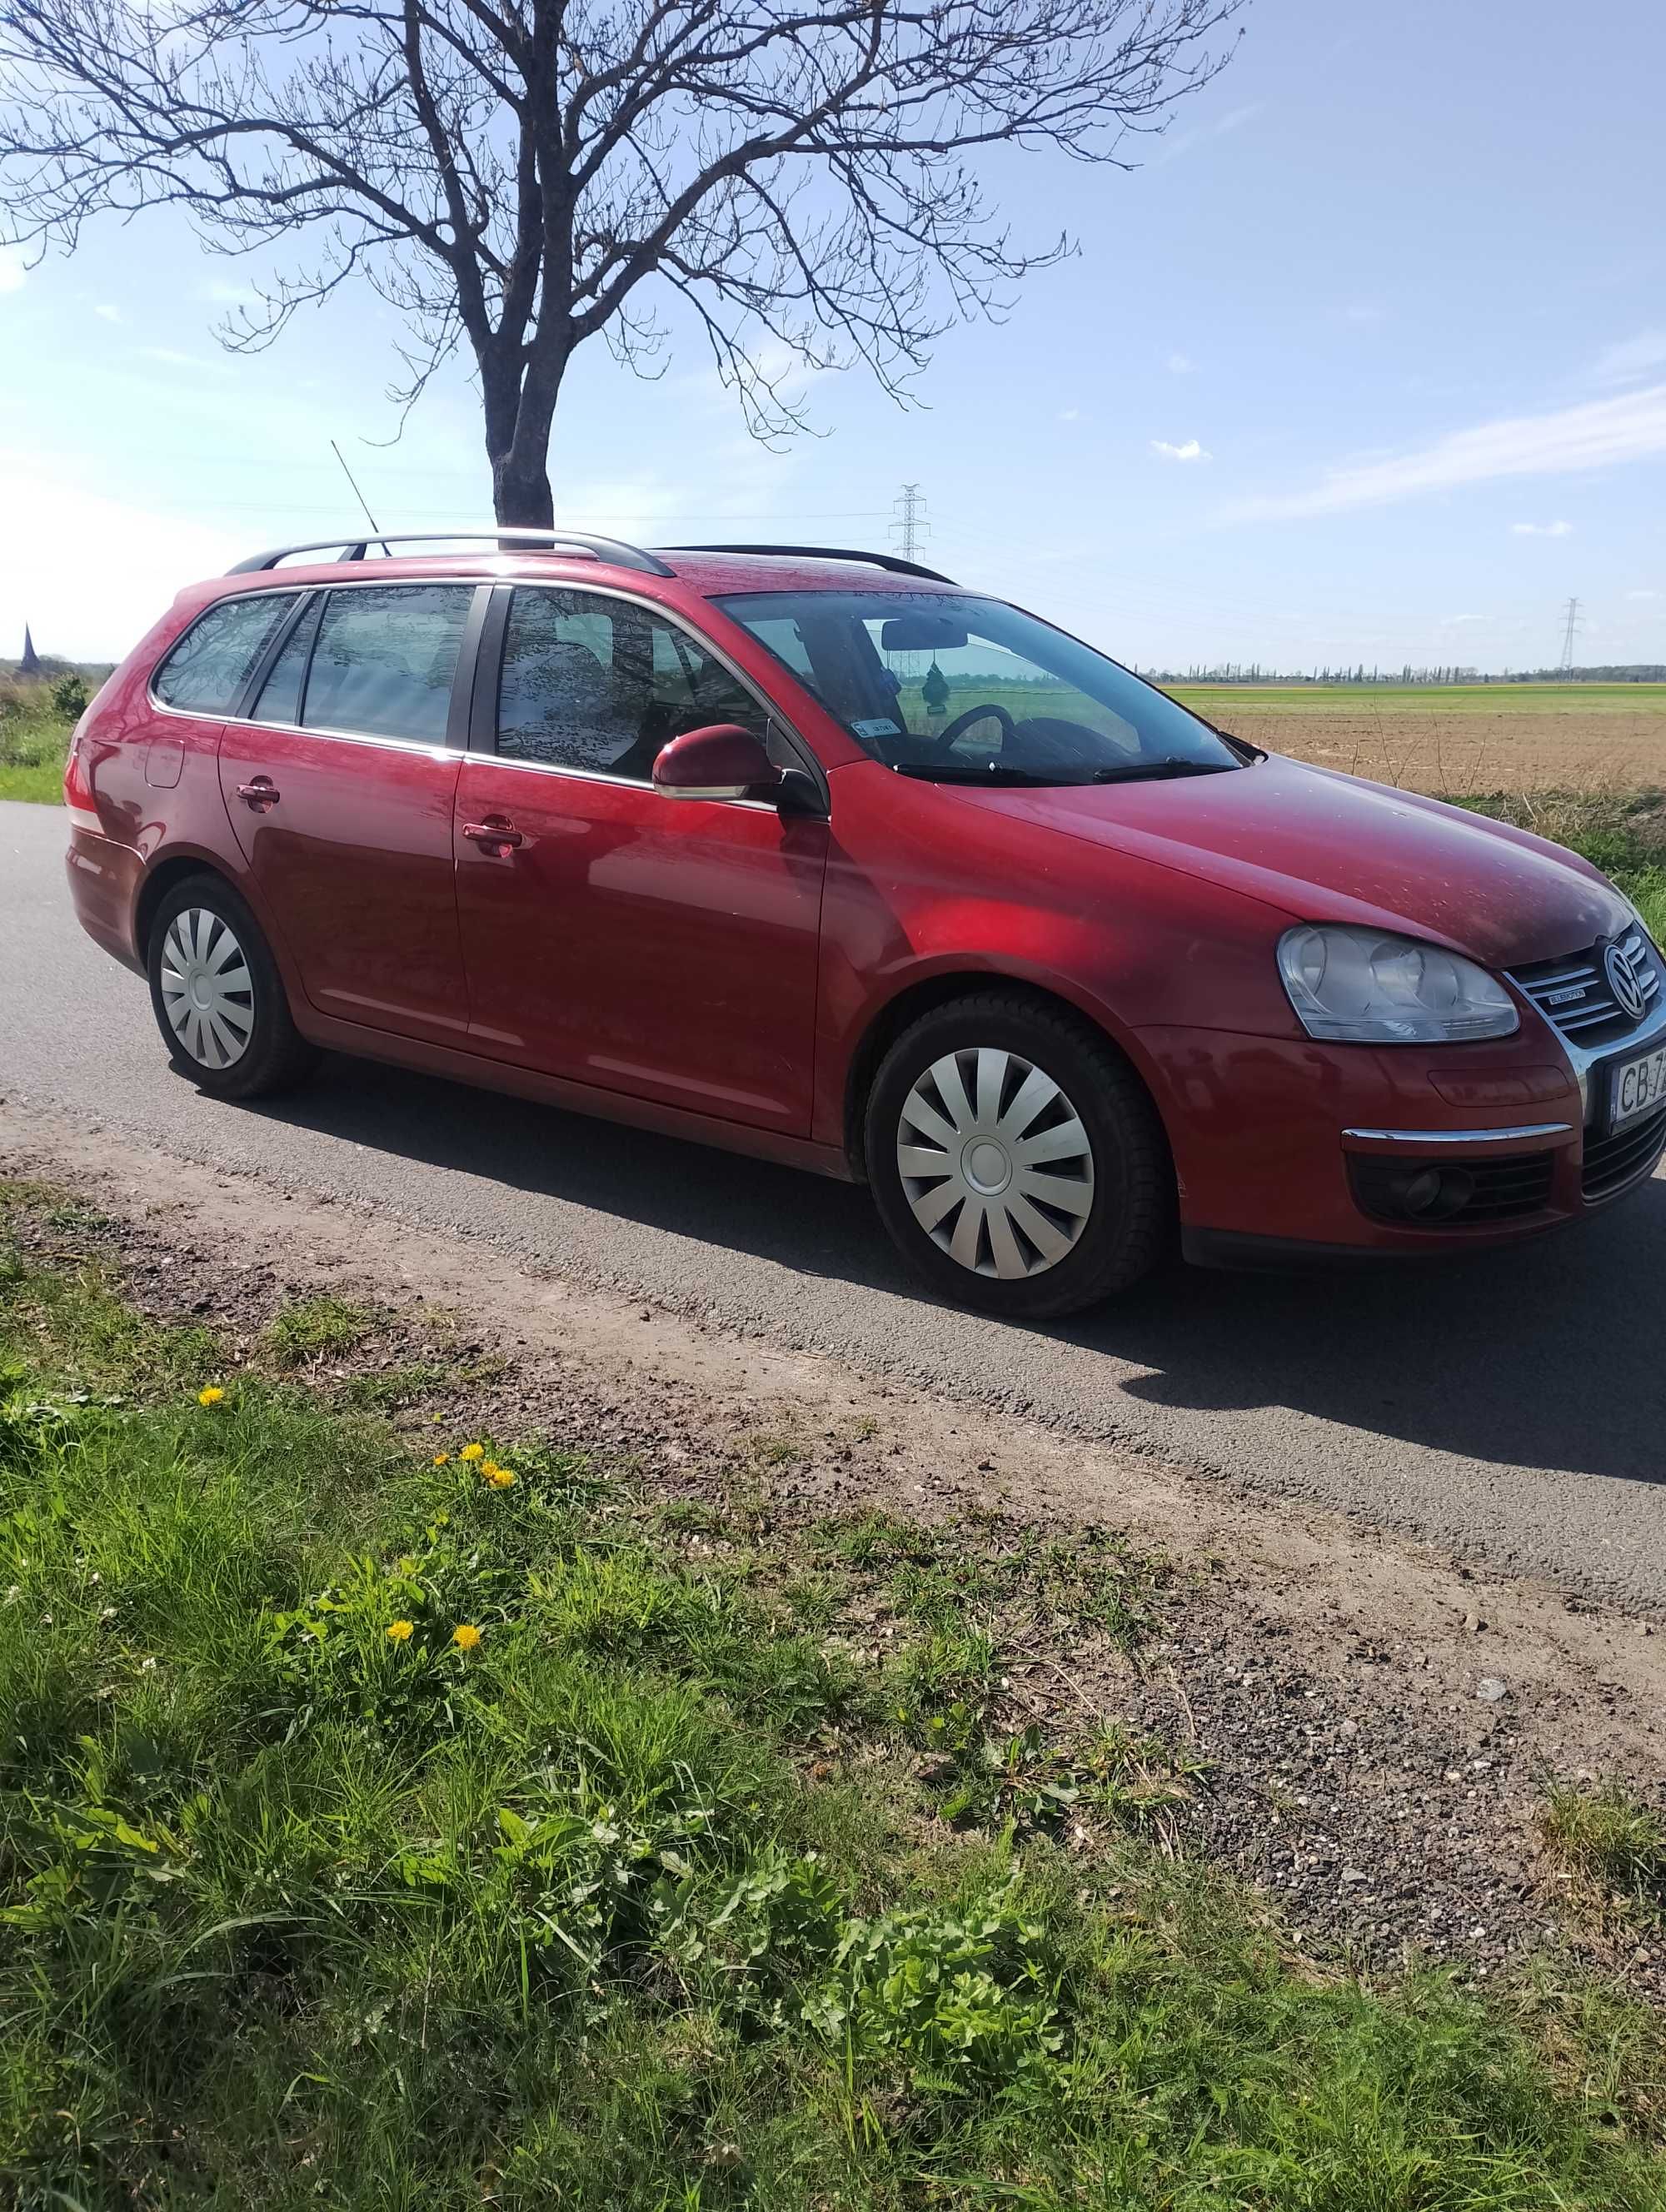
472 1451
399 1632
465 1636
499 1477
439 1458
212 1396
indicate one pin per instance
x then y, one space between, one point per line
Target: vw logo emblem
1625 981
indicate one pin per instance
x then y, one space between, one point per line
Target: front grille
1613 1163
1575 996
1471 1195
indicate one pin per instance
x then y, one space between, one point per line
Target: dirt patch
1446 755
1377 1723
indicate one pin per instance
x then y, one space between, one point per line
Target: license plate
1636 1087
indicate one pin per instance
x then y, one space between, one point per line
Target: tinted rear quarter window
385 659
280 694
206 672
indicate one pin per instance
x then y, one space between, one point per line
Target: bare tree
524 175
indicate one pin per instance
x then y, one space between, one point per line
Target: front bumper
1304 1148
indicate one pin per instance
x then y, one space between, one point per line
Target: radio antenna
359 495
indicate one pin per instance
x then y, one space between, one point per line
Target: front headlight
1363 987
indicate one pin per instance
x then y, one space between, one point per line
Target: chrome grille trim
1573 994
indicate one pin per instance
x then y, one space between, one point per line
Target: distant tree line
1238 672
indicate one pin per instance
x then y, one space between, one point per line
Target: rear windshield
964 689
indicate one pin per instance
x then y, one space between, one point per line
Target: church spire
30 664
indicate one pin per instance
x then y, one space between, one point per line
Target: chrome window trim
440 750
1461 1136
600 776
708 645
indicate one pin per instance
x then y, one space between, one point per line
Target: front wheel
1016 1159
219 999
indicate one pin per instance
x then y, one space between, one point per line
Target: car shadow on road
1550 1354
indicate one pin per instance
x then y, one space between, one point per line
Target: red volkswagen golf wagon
816 855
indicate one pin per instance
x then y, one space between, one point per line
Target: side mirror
721 762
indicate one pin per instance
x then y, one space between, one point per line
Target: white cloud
170 359
106 312
1181 364
12 271
1543 529
1633 358
1070 414
1600 434
1642 595
1452 622
1191 451
1365 312
1184 141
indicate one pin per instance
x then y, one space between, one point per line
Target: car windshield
968 690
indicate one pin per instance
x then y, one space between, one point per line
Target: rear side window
208 669
280 694
383 664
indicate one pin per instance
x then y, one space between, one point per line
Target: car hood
1323 847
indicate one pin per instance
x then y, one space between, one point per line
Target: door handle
496 837
260 792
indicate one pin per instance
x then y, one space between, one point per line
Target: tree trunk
520 492
520 409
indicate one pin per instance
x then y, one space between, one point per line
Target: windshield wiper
1156 771
955 772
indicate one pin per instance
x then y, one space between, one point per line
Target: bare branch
801 178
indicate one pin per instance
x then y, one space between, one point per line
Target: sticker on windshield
881 727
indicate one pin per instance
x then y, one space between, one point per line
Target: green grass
1216 699
637 1903
319 1327
33 743
1614 1848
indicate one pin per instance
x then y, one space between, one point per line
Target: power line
911 524
1569 633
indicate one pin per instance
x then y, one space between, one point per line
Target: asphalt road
1513 1405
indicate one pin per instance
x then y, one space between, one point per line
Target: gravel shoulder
1376 1720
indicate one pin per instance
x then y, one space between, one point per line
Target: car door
663 948
340 777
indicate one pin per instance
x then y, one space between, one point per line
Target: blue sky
1367 361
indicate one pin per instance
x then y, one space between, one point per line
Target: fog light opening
1432 1193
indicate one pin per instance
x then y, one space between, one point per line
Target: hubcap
995 1164
207 992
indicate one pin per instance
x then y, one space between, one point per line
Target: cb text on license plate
1636 1087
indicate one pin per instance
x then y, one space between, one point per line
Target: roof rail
894 562
354 545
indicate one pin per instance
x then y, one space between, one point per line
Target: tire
223 1013
1101 1215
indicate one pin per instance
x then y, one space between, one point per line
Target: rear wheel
1016 1159
219 1000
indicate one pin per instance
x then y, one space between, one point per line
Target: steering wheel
962 723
